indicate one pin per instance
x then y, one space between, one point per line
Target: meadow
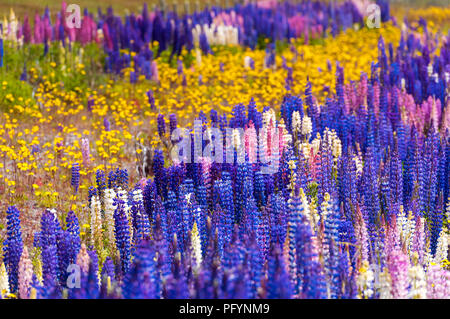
322 169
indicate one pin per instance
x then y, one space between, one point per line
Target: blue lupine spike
278 285
150 195
89 285
161 125
48 244
311 280
436 222
108 268
332 239
122 177
13 246
112 180
295 215
63 240
122 235
159 171
75 182
259 189
73 229
101 182
176 286
253 115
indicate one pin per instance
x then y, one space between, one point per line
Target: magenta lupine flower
398 264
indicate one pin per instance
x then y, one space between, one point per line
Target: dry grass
30 7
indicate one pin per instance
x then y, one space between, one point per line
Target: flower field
256 150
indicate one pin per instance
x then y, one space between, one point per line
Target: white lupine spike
305 148
11 28
196 245
138 197
401 223
188 198
306 125
198 57
325 206
442 248
287 138
384 285
296 122
110 194
269 116
411 227
236 138
428 258
96 222
4 285
216 34
315 144
430 69
306 208
359 165
365 281
418 289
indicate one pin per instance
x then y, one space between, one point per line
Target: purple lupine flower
48 244
106 124
75 182
161 125
139 283
151 99
23 75
172 122
122 235
13 246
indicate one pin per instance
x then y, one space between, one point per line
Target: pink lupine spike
362 238
437 282
281 141
25 274
398 264
418 244
83 259
251 142
376 99
362 91
154 69
392 237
